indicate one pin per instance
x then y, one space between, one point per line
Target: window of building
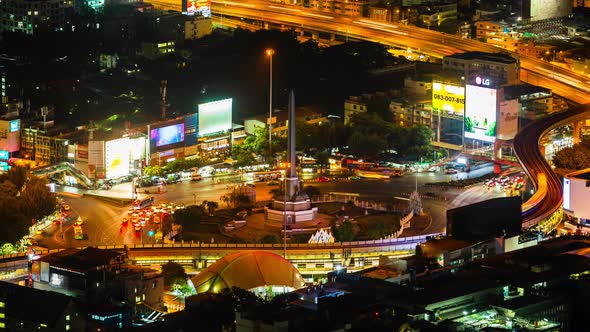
67 317
67 327
353 107
1 304
2 325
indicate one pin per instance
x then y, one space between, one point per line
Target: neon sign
482 81
14 126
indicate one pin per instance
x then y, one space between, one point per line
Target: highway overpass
543 209
562 81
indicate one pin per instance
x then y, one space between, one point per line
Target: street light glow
270 52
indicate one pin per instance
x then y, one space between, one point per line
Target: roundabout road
102 219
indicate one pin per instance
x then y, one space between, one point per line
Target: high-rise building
29 16
537 10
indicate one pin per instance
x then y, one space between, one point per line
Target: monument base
291 217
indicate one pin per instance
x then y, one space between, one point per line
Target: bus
139 204
265 176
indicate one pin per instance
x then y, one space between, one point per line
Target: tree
574 158
13 224
345 232
212 206
243 155
8 189
380 228
189 216
36 199
174 273
312 192
322 158
152 170
270 239
366 146
17 175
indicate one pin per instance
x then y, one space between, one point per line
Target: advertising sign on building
448 99
167 135
4 155
215 117
14 125
197 7
508 119
480 113
117 157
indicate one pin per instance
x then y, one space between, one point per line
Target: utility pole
270 52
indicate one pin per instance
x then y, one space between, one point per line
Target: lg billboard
480 113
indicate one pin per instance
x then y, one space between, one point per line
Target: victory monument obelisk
292 205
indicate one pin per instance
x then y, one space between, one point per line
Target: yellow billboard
448 99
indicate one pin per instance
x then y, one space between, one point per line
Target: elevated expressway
543 209
562 81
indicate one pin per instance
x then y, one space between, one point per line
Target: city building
496 69
111 155
307 114
101 276
198 27
155 50
581 3
30 16
438 13
10 135
534 102
28 309
576 192
530 48
352 8
538 10
354 105
411 111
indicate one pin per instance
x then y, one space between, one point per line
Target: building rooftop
581 174
22 303
524 89
82 260
435 247
521 302
380 272
484 56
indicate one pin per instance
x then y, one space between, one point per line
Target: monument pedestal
291 212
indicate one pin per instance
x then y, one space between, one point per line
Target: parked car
323 179
451 171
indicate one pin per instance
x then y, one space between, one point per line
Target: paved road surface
102 219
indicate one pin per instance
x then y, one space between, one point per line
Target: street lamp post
270 52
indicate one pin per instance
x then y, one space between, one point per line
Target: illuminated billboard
117 157
507 120
197 7
480 113
215 117
448 99
14 125
167 135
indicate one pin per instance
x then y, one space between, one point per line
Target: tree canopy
23 197
575 158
